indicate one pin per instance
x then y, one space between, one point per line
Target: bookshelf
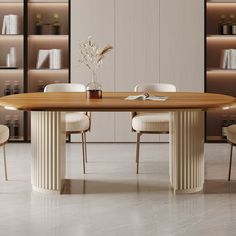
27 43
218 79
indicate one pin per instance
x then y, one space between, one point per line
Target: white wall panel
137 54
182 44
94 18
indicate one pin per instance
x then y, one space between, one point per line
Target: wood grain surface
114 101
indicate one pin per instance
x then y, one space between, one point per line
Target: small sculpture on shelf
224 25
227 25
91 56
39 25
56 24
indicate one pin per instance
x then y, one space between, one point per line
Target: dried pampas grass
103 52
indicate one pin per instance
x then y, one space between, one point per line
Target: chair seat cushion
4 134
231 133
151 122
76 122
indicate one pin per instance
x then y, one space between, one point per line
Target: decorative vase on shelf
94 89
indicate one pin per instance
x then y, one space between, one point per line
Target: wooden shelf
48 37
219 70
51 3
11 37
48 71
216 138
19 70
21 138
220 36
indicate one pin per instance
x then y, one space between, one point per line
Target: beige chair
76 122
150 123
4 136
231 138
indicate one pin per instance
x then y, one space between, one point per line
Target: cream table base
187 151
48 151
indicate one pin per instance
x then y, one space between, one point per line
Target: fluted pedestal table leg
187 151
48 151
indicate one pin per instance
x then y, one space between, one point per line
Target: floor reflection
82 186
219 186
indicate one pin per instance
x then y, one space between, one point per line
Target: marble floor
111 200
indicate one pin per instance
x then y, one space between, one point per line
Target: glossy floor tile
111 200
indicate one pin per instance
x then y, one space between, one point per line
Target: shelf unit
217 80
10 75
28 44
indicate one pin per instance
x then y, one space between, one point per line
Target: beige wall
154 41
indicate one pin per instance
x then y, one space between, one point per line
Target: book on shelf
42 58
228 59
55 59
10 24
54 56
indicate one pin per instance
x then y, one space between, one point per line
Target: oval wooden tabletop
113 101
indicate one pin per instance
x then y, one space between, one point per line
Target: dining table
186 130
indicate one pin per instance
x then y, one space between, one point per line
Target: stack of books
228 59
54 56
10 24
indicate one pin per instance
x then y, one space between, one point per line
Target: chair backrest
155 87
64 87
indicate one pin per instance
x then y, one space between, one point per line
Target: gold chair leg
5 161
83 150
85 147
230 162
137 151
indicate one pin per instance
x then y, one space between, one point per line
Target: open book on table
147 97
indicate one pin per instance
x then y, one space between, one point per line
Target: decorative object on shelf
91 56
224 28
15 127
227 25
11 58
12 122
56 26
38 24
10 24
7 88
16 88
54 56
232 24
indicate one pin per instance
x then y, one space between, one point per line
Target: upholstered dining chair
4 136
231 138
150 123
76 122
